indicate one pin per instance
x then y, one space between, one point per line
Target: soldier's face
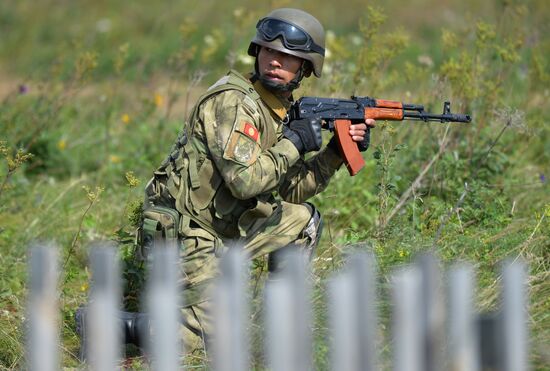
279 67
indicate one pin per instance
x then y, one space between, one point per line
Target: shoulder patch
250 131
243 146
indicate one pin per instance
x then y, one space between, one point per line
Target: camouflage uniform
233 177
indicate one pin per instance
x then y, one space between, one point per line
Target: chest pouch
160 225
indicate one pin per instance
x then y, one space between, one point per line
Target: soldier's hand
360 133
305 134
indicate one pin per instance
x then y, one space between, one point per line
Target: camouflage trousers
200 255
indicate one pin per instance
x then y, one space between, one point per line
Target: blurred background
93 93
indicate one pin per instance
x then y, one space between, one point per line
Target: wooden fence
434 325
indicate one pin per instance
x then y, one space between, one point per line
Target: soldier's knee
307 240
307 216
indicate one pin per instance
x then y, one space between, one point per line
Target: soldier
237 172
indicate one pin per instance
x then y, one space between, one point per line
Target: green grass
95 90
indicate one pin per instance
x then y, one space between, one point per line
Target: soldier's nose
275 63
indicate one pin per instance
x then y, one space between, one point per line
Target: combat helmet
291 31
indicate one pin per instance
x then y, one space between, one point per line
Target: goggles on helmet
293 37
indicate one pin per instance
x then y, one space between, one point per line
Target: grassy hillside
94 92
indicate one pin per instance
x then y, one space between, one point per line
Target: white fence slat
343 315
353 315
231 313
463 350
163 304
514 317
432 312
43 310
103 327
406 294
279 337
363 267
288 317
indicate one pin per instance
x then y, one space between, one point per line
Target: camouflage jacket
232 163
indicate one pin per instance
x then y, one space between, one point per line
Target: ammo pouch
160 224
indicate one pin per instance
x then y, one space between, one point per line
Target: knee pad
314 227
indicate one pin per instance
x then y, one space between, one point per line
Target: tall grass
92 92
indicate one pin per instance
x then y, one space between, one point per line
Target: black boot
134 327
81 329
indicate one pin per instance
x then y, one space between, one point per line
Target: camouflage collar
278 105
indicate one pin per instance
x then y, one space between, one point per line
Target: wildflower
125 119
121 57
187 28
85 64
425 60
245 59
450 40
103 25
159 100
238 13
542 178
131 179
115 159
84 286
511 117
20 158
356 40
210 40
93 196
3 148
62 144
23 89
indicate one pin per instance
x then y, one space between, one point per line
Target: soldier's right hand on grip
305 134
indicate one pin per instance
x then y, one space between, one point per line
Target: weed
13 162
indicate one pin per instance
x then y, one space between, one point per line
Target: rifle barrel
425 116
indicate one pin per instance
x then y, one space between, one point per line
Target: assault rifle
338 114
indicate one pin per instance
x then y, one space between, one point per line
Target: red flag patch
250 131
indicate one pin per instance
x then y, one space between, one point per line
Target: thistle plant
93 198
132 209
385 154
13 162
85 64
134 274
